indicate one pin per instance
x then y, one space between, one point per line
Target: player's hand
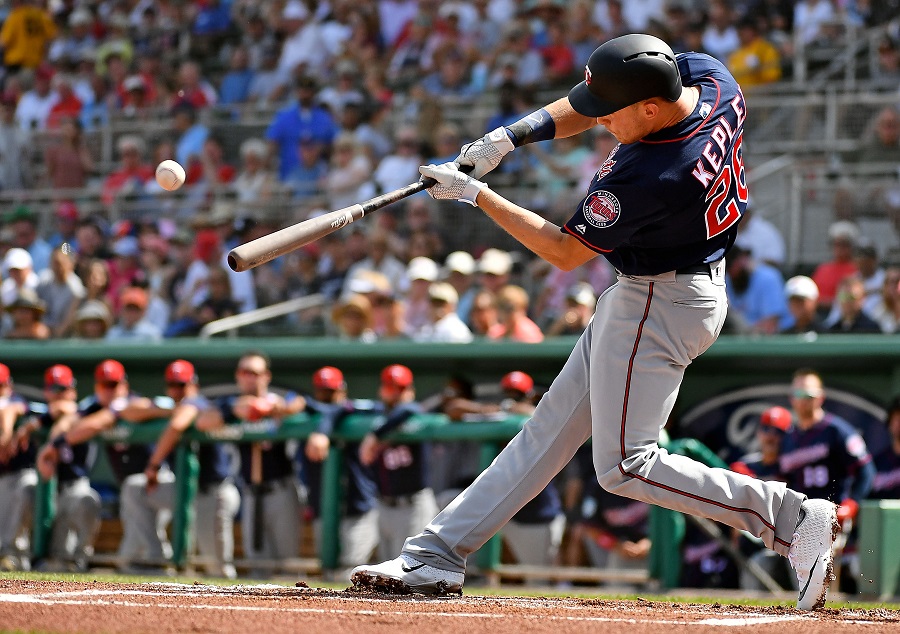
451 183
369 449
46 461
635 550
259 408
151 474
486 153
317 447
847 510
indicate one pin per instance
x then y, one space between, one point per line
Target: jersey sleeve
610 215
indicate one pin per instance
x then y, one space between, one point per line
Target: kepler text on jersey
723 134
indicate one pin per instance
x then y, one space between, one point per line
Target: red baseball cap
397 375
59 376
777 417
518 381
110 370
328 378
4 373
180 371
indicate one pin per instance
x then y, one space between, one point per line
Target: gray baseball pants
281 521
77 520
145 515
216 510
619 384
397 521
17 504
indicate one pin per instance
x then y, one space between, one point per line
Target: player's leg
561 423
8 522
78 510
23 499
216 510
282 517
359 538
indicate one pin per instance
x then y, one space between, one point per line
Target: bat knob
235 263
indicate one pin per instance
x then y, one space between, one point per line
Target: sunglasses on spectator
251 371
176 384
56 389
109 385
804 394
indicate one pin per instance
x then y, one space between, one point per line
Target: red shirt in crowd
827 277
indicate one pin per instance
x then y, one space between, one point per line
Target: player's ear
649 108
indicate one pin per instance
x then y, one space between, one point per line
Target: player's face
628 125
807 395
252 375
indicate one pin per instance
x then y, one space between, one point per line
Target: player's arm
182 417
536 233
89 426
554 121
142 409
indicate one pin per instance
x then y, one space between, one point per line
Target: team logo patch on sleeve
601 209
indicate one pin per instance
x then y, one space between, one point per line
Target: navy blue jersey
22 459
276 463
542 508
754 463
401 469
886 485
215 466
824 460
674 198
624 518
124 459
358 480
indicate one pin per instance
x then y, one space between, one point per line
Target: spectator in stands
886 308
851 318
445 326
256 37
344 90
67 104
34 105
96 110
720 38
557 54
270 496
756 294
92 320
802 296
303 44
68 161
451 78
192 88
485 318
23 224
761 238
15 158
459 272
192 134
218 500
348 180
886 485
421 272
405 499
217 304
810 16
553 298
136 99
70 47
96 280
399 168
124 269
580 304
27 31
131 325
77 505
870 271
352 318
65 220
302 120
381 260
516 49
62 291
756 61
887 73
268 85
27 313
132 175
255 182
212 24
828 275
353 120
306 179
494 267
18 274
410 56
235 86
512 308
210 175
881 140
115 53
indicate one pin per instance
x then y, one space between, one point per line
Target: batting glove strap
452 184
486 153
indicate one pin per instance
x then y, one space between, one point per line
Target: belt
395 501
695 268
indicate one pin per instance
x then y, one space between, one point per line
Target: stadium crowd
354 96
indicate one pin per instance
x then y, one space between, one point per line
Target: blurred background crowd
281 110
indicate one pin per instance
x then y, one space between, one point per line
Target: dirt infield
163 608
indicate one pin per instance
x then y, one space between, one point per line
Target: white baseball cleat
405 575
810 553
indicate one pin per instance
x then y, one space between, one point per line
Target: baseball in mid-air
170 175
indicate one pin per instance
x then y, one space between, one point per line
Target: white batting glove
451 183
485 153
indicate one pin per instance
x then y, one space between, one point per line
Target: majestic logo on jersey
607 166
705 109
601 209
580 229
587 76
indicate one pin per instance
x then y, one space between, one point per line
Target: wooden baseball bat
267 248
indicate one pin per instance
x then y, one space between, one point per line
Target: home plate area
51 606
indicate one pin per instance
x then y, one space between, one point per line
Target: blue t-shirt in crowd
294 123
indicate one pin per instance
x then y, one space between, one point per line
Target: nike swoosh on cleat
811 571
405 569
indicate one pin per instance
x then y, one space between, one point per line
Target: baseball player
271 492
17 477
663 209
217 500
359 516
405 499
144 515
887 463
